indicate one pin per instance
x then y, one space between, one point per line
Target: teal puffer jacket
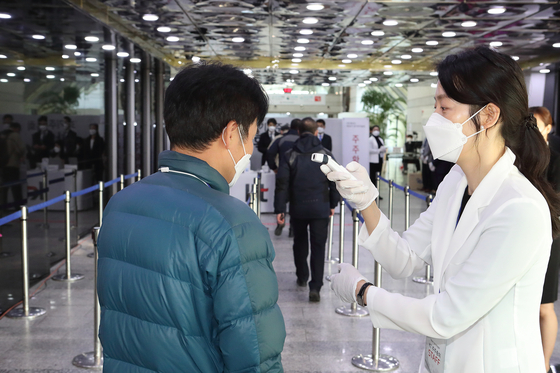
186 282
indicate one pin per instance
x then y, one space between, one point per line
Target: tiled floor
318 339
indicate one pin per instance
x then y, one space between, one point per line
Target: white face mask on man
321 130
446 139
243 162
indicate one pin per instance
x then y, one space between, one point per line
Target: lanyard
166 169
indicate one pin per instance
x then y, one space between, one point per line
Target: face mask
321 130
446 138
92 132
43 128
65 125
243 162
56 149
376 133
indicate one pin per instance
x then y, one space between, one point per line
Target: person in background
93 152
42 141
325 139
266 139
11 172
548 319
186 281
439 169
68 138
377 151
57 155
427 159
313 199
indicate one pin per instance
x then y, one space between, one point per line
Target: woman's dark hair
480 76
203 98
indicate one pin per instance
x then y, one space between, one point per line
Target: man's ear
229 134
492 113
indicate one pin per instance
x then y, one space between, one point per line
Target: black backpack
4 155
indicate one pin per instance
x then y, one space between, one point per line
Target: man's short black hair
68 119
8 116
43 118
203 98
271 120
95 125
308 124
321 121
296 123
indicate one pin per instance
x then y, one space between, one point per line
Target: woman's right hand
360 192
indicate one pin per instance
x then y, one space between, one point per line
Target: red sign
317 98
289 90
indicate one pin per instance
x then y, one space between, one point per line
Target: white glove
361 192
382 149
432 167
344 283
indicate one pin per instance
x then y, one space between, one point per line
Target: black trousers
318 230
374 168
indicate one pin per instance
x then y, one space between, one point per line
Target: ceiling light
5 16
414 80
77 54
496 44
150 17
310 20
61 79
247 71
137 80
361 85
303 41
367 42
367 81
122 54
390 22
406 56
387 73
544 71
515 58
26 80
21 68
346 61
325 84
11 74
556 45
91 38
432 42
373 79
388 66
299 49
294 71
4 80
497 10
95 75
176 38
50 76
298 55
398 85
417 50
70 46
448 34
378 33
296 60
135 60
164 29
108 47
49 68
352 55
235 40
122 80
195 59
434 73
315 6
3 56
332 78
91 59
468 24
341 65
306 32
65 56
433 85
38 37
396 62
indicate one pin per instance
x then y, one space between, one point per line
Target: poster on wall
355 146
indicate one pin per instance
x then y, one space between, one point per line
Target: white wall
535 82
420 105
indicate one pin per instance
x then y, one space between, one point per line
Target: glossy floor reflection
318 339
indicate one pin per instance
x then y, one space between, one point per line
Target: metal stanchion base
347 311
5 254
332 261
73 277
87 360
328 278
90 255
20 313
422 280
385 363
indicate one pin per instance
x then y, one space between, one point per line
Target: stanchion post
254 194
93 359
76 204
427 279
67 277
25 311
139 177
377 176
101 187
121 183
406 207
354 310
45 199
258 196
329 258
341 232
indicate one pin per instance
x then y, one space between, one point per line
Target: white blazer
374 152
488 272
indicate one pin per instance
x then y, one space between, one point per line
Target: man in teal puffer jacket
186 282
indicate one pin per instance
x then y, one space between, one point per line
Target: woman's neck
481 160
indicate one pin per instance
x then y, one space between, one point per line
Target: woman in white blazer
487 234
376 152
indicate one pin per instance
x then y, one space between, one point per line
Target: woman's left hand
345 282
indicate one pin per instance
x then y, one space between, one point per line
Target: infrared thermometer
330 162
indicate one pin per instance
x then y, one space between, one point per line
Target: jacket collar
185 163
307 142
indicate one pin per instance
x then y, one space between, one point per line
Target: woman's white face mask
446 139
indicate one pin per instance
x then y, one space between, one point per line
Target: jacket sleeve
334 196
373 148
282 189
263 143
251 330
518 234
